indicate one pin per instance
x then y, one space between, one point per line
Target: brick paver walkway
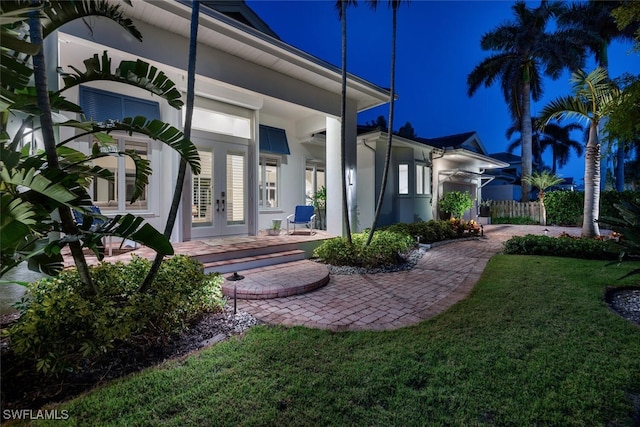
445 275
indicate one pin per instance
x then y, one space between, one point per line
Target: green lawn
534 344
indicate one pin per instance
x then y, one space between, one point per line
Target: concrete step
250 262
278 281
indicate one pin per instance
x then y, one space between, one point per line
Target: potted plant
455 203
275 227
485 208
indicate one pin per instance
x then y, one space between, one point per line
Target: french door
219 192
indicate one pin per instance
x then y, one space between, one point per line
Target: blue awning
273 140
101 105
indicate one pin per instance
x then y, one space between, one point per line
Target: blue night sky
438 46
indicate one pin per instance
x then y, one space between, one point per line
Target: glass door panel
236 194
202 192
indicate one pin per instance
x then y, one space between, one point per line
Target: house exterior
506 184
259 102
421 171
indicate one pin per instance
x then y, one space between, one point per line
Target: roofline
290 52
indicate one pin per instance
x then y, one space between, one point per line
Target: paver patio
443 276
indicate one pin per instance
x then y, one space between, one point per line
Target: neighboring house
421 171
259 101
506 184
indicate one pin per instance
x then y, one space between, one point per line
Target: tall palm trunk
343 129
387 158
182 170
46 122
527 138
591 184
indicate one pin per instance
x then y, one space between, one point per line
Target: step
230 252
278 281
250 262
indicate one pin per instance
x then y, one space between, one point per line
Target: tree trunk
591 210
182 170
343 130
387 158
527 140
46 122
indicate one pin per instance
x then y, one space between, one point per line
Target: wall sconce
349 180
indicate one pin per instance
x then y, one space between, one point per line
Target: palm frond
136 73
157 130
59 13
562 108
35 181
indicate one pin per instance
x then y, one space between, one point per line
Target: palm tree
542 181
536 148
341 6
595 26
523 49
394 5
593 94
559 139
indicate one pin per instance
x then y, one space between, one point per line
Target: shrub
386 249
456 203
426 231
561 246
564 207
60 324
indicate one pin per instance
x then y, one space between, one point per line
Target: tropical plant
593 94
456 203
60 325
319 202
627 223
595 27
394 5
67 167
523 49
542 181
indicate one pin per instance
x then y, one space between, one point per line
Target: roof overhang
461 175
226 34
471 160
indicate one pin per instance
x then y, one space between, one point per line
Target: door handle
222 205
217 205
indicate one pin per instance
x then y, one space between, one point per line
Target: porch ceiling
235 38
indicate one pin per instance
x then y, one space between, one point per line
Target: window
423 182
268 177
314 180
115 195
403 179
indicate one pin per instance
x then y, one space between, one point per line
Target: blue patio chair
95 223
303 215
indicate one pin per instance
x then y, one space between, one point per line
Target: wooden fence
513 209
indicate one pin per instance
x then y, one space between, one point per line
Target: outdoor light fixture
234 278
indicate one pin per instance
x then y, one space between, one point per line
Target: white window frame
123 205
263 159
426 179
404 179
